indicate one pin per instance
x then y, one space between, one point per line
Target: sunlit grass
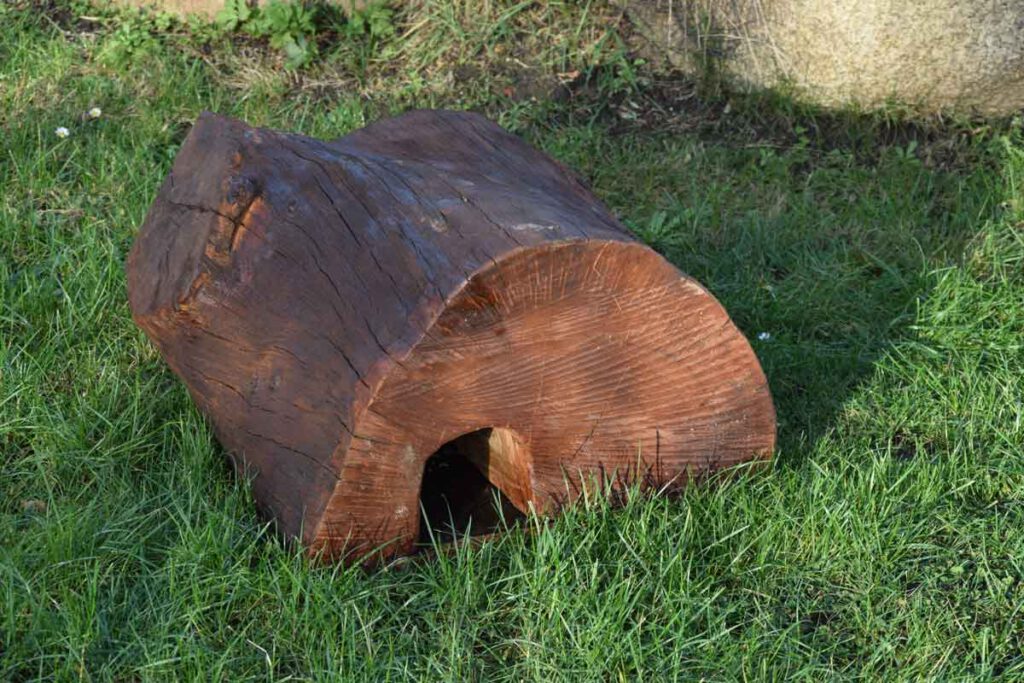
886 542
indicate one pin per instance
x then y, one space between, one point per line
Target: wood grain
341 310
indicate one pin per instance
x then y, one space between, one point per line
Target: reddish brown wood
341 310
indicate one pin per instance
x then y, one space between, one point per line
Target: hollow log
342 310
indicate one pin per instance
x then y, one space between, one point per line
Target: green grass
885 259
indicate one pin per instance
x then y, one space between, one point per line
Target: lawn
883 257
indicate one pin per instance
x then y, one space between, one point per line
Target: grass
885 259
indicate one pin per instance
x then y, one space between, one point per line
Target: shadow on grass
819 230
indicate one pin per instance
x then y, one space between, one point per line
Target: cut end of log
430 312
569 364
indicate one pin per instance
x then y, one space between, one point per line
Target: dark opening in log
457 497
342 310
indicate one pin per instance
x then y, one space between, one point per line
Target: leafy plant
234 15
376 20
289 26
130 42
292 26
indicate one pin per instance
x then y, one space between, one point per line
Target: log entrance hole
457 498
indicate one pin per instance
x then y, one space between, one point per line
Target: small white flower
95 113
62 132
764 336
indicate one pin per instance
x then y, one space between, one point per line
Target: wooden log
341 310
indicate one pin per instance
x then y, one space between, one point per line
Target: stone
964 56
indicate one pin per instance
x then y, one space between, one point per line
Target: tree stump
343 310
